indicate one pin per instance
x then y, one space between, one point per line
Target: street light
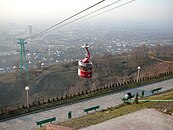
137 79
27 99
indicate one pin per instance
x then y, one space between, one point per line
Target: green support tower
23 61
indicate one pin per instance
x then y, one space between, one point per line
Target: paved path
146 119
29 122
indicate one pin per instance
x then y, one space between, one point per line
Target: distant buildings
29 29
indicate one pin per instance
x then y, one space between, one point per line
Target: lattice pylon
23 60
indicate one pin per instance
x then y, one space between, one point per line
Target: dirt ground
166 107
146 119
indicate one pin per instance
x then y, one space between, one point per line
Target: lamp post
137 79
27 99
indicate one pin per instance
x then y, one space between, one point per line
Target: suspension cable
95 12
67 19
89 14
111 9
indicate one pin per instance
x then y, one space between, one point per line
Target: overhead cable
96 11
68 18
88 14
111 9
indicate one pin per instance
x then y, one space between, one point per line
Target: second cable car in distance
84 65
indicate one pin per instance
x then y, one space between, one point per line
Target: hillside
123 109
61 79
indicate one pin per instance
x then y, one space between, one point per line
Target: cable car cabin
84 69
85 66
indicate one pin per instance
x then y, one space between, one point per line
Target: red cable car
85 66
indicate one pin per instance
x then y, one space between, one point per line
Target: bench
91 108
45 121
155 90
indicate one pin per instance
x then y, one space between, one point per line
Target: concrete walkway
29 122
146 119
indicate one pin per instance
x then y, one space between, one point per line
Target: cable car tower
23 66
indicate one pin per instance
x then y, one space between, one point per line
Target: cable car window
85 68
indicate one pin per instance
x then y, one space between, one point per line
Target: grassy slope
110 113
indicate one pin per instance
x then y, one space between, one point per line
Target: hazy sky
41 11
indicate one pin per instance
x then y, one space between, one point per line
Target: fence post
69 114
2 110
44 102
142 93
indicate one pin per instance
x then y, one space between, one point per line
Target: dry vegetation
61 79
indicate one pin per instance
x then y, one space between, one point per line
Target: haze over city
115 31
46 11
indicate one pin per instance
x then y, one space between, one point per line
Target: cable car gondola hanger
84 65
